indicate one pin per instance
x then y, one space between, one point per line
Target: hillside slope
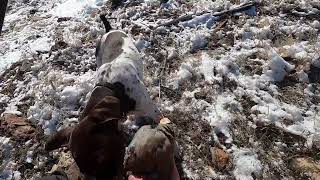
243 88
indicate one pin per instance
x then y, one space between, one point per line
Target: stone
165 121
220 158
18 127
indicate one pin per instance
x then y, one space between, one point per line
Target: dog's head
110 46
96 143
151 152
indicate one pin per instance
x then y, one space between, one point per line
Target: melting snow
9 58
59 93
73 8
246 165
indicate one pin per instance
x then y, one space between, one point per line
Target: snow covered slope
247 83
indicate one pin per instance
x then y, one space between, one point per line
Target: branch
187 17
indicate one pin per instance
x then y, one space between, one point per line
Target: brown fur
96 143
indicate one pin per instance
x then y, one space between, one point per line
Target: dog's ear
60 139
97 94
128 104
106 110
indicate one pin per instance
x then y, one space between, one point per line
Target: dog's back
119 60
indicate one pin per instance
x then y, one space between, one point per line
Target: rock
24 131
18 127
307 166
314 74
220 158
115 3
13 120
165 121
211 170
33 11
59 45
163 1
200 95
60 19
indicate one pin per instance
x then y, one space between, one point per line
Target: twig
159 90
176 21
105 22
162 73
239 8
219 26
187 17
53 86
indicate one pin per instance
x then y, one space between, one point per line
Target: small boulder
18 127
220 158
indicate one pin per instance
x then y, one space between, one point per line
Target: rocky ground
242 88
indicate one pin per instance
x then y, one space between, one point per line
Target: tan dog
151 153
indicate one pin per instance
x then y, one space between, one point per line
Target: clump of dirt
16 72
26 137
16 127
203 94
251 65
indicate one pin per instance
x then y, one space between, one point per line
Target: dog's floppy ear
97 94
60 139
128 104
106 110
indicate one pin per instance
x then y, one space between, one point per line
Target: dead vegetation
275 147
194 140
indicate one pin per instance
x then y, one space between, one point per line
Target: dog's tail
105 22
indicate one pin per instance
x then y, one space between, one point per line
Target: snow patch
41 45
206 19
70 96
72 8
184 74
246 163
9 58
218 114
279 68
198 41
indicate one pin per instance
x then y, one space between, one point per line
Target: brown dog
96 143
